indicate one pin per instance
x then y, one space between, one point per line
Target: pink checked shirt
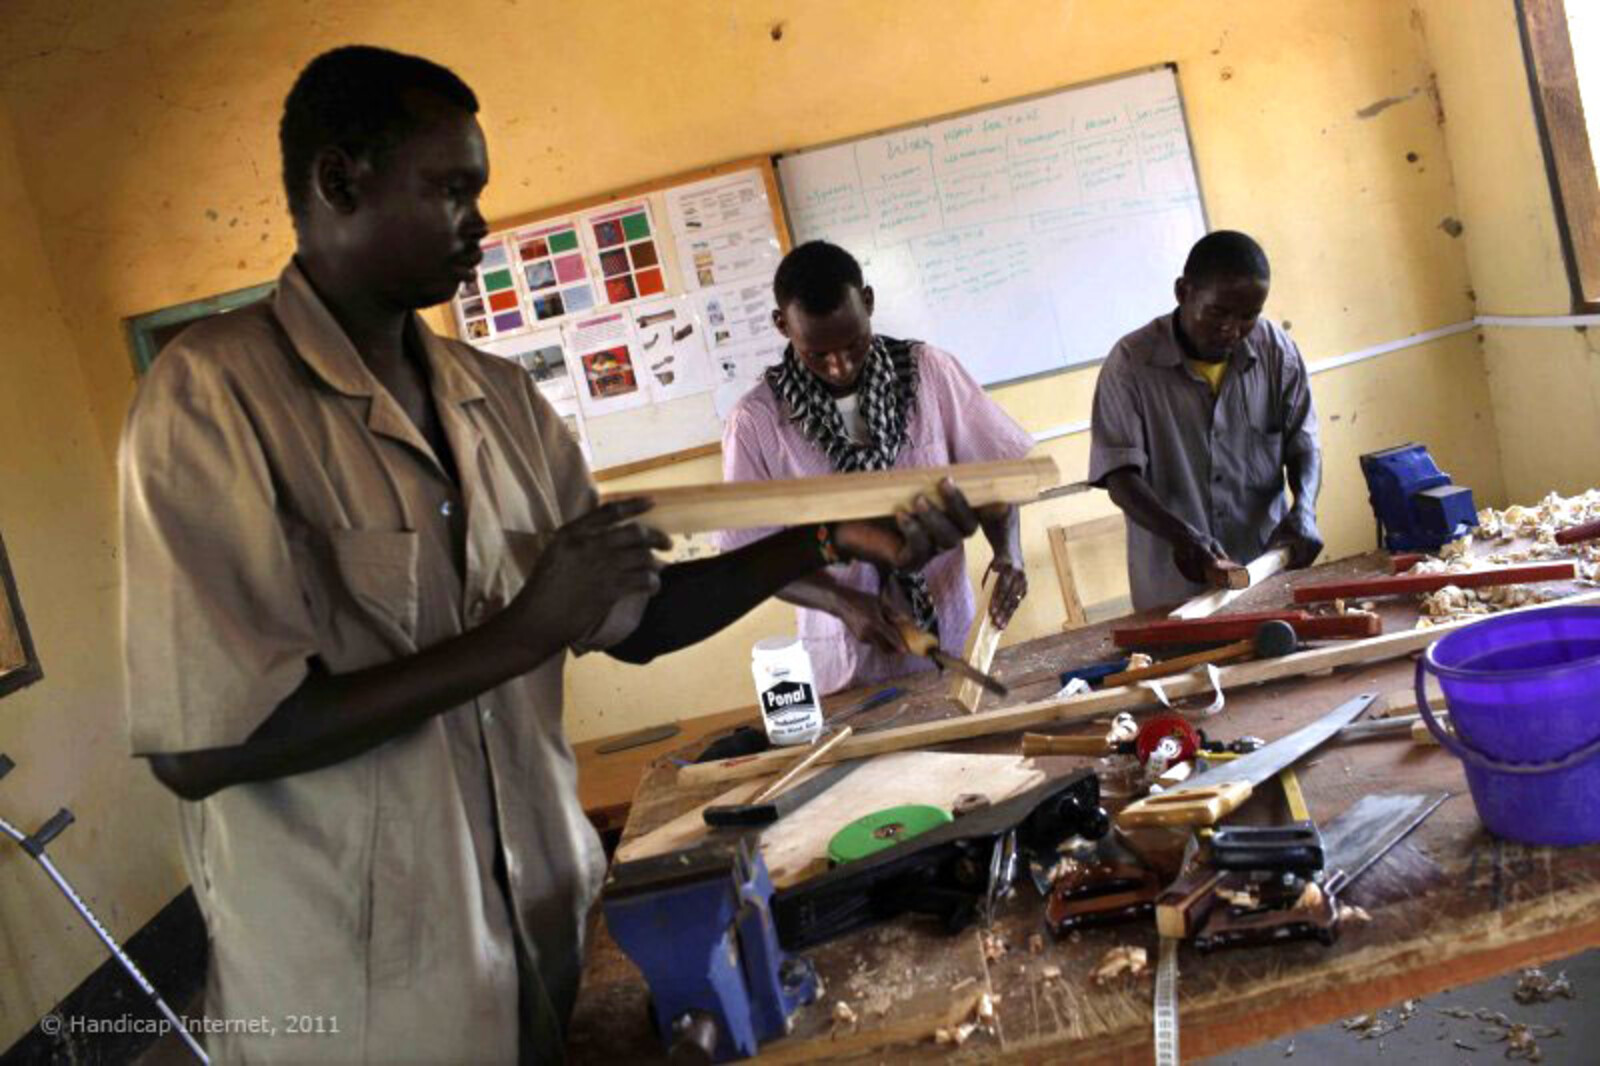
954 421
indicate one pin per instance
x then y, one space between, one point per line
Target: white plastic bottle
785 691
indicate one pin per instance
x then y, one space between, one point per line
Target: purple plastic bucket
1524 696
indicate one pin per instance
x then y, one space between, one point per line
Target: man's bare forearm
334 717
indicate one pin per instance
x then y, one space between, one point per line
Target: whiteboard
1025 238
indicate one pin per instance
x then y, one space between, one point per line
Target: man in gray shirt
1198 416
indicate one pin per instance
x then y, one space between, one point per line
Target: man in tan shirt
356 554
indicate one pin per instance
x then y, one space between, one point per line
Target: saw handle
1041 744
1189 807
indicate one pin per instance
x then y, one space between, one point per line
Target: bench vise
1417 507
698 923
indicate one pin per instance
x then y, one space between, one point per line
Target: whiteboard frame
1188 136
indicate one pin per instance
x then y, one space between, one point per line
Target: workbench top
1448 906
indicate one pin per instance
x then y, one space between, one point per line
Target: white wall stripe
1067 429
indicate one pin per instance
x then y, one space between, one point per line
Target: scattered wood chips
1123 963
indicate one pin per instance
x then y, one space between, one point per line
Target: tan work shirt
279 506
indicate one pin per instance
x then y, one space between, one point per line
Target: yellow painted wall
65 732
1545 382
145 135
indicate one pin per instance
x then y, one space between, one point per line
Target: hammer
1273 640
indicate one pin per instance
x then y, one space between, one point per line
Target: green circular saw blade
883 829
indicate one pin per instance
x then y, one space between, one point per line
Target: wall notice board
1025 237
641 315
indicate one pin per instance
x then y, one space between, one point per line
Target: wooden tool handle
1239 649
918 641
817 752
1576 534
1195 806
1041 744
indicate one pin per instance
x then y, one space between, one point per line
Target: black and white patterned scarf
888 394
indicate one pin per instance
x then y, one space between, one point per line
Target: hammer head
1275 639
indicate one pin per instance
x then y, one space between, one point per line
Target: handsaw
1362 835
1210 796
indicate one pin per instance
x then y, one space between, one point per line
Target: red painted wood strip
1403 561
1408 584
1229 628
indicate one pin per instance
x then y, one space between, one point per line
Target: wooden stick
982 643
1070 600
1098 704
1406 584
1209 603
1355 625
1575 534
837 497
817 752
1239 649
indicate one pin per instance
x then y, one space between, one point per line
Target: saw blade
1267 761
1362 835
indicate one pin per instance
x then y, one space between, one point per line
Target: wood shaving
994 947
1310 897
844 1014
985 1009
1349 913
1123 727
1035 944
1243 898
1051 973
963 983
1536 986
955 1036
1122 963
1139 660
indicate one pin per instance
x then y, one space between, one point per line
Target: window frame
144 329
1569 163
29 670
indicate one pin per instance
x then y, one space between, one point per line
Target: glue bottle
785 691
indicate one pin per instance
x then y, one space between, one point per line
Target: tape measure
884 829
1166 1003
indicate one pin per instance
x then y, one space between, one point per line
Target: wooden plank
837 497
1353 626
1209 603
1409 584
982 643
1062 556
638 466
1100 704
1400 562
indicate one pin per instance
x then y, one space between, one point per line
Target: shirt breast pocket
1264 462
378 569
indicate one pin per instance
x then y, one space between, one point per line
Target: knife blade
1207 797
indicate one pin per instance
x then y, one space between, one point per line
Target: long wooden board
838 497
1406 584
796 847
1100 704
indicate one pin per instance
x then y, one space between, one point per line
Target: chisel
926 645
1206 798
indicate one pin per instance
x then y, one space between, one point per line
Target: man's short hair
1223 254
817 274
354 98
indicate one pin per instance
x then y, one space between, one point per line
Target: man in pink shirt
845 399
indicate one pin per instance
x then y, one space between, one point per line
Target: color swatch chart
630 262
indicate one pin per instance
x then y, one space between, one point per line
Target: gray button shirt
1217 463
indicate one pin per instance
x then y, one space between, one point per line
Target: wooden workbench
1449 906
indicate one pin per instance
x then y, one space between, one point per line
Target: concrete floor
1430 1037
